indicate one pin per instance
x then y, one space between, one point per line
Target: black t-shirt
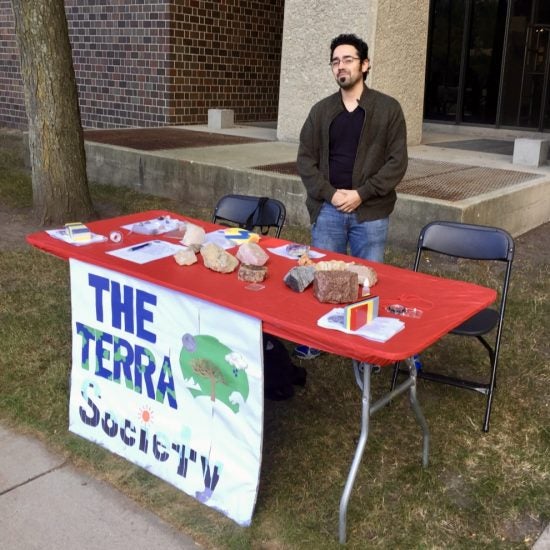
345 132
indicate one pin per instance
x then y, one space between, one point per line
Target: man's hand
346 200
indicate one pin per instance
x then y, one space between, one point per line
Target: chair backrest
470 241
249 212
475 242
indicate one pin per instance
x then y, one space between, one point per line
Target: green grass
479 491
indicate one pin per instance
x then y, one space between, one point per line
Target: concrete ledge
530 152
517 208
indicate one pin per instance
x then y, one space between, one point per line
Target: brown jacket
381 159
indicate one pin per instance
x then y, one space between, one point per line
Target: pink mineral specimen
252 254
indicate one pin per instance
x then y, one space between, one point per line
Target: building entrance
489 63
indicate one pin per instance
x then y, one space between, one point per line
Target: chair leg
492 385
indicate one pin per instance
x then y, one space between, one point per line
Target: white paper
380 329
218 237
156 226
281 251
147 252
62 235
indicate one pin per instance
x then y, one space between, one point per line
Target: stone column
396 33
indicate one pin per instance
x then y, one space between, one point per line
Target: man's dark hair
351 40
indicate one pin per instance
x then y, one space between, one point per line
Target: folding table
444 304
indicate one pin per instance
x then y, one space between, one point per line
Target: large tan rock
367 275
217 259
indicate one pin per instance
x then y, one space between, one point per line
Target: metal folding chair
249 212
473 242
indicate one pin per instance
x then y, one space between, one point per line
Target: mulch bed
151 139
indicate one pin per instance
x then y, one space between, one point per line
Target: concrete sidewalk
46 504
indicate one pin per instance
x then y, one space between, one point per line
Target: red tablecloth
445 303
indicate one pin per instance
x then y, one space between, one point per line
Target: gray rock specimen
336 287
299 278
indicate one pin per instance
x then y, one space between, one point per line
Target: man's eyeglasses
346 61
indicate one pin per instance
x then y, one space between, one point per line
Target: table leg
418 413
365 414
366 411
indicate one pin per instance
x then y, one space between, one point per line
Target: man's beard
345 81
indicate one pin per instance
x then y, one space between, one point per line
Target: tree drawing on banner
211 368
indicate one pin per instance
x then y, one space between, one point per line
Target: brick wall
12 99
227 54
143 64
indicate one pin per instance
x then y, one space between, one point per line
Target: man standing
352 155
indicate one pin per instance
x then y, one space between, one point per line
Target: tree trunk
56 142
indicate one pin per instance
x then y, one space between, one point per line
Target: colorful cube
361 313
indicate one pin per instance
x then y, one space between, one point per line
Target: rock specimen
217 259
331 265
336 287
194 236
304 259
367 275
252 273
185 257
252 254
299 278
296 250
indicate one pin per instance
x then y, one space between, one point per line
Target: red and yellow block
361 313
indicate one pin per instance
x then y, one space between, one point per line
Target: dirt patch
15 225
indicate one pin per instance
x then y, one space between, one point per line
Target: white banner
171 383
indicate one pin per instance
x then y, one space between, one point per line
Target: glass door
444 59
464 60
488 62
525 89
535 77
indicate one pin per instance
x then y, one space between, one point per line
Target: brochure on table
380 329
63 235
147 252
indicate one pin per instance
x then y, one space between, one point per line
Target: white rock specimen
217 259
331 265
185 257
194 236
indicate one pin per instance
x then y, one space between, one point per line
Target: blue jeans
334 230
